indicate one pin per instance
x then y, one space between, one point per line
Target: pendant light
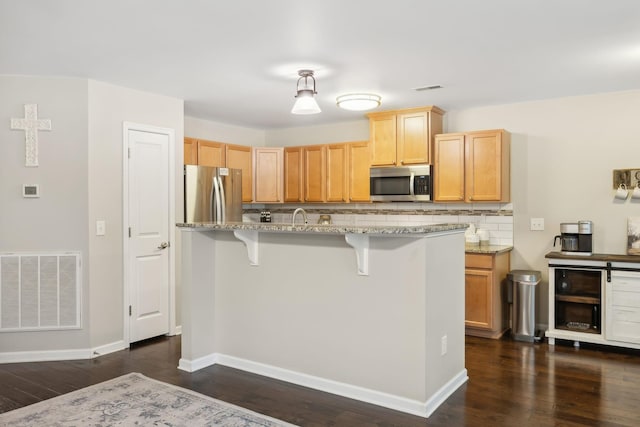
305 101
358 101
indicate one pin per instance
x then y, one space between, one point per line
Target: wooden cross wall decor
30 124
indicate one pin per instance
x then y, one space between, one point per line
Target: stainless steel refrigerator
212 194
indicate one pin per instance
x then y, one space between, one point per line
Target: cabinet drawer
478 261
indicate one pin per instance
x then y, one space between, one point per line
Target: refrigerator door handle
222 201
217 217
212 200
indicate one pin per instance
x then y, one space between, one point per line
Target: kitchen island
370 313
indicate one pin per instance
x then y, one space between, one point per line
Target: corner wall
57 220
109 107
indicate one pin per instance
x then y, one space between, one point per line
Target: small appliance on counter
575 238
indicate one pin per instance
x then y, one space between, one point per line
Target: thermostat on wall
30 190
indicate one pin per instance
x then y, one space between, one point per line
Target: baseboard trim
109 348
445 391
199 363
398 403
45 356
59 355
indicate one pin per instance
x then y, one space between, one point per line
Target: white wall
322 134
109 107
80 177
57 221
206 129
563 152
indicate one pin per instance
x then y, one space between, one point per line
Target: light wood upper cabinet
314 170
448 167
403 137
382 138
337 173
190 151
472 167
239 157
269 168
211 153
293 175
487 171
358 157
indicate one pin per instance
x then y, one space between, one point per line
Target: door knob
163 245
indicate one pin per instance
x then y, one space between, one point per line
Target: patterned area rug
135 400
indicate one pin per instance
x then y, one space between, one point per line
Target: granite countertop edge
487 249
329 228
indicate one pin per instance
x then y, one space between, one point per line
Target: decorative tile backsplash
497 218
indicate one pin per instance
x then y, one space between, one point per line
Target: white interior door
149 246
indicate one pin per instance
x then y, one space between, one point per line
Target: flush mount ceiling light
305 101
358 101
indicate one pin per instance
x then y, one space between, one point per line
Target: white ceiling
236 61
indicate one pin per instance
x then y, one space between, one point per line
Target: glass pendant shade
305 103
305 98
358 101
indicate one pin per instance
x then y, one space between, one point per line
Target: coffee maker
575 238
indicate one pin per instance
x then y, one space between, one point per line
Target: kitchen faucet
304 216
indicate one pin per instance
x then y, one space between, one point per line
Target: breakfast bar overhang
371 313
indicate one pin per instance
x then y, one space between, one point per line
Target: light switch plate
100 228
537 224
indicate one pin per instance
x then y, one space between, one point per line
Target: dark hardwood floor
510 384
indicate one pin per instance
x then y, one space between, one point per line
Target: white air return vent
40 291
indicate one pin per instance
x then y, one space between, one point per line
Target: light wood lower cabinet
486 313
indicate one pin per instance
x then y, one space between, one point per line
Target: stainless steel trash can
522 296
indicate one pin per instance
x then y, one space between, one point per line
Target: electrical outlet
537 224
443 345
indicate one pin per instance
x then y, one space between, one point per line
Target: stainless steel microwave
401 184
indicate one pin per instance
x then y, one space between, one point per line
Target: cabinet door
190 151
623 307
315 177
487 174
337 173
293 186
478 308
359 163
268 170
239 157
211 153
382 139
448 168
414 138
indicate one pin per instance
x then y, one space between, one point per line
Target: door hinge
129 310
129 231
129 152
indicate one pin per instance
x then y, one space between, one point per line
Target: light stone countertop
486 249
325 229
